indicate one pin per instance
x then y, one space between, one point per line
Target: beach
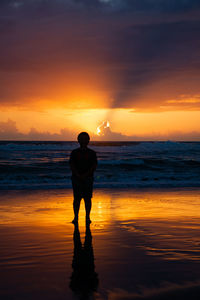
99 100
142 244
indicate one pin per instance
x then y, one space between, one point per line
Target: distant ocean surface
36 165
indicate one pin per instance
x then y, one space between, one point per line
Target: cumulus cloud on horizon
9 131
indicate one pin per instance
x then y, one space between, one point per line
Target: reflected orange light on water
162 219
156 205
47 208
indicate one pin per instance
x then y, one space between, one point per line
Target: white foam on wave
136 161
164 146
45 164
37 146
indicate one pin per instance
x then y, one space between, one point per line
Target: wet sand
142 244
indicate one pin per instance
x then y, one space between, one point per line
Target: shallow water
141 243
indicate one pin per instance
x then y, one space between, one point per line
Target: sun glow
65 124
100 128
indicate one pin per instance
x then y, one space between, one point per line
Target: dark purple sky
141 53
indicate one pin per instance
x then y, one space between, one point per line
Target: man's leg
76 206
88 205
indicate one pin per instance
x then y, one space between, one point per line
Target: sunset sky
68 65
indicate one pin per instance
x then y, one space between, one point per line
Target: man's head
83 139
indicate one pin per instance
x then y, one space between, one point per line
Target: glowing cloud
102 128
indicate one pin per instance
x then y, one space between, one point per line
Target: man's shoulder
74 151
93 154
91 151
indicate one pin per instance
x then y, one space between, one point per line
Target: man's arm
90 171
72 165
92 168
73 169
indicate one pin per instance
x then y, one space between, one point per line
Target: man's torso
83 159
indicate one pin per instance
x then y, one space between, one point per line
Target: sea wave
126 164
101 146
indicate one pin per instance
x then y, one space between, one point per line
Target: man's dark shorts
82 188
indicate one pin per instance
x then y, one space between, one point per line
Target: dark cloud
162 5
107 134
9 131
111 6
153 52
144 50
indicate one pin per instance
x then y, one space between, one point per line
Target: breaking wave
28 165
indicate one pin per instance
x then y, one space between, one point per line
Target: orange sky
66 123
69 66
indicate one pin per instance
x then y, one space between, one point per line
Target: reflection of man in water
83 162
84 279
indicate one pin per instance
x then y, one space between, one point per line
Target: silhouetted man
83 163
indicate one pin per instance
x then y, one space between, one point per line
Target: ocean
143 242
44 164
